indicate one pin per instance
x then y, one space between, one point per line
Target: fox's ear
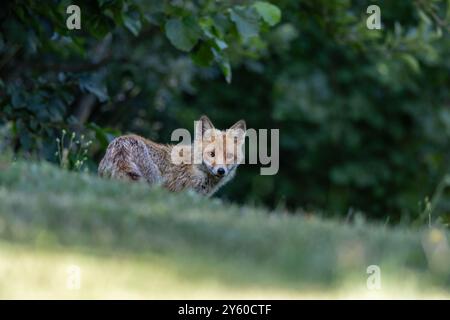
238 129
206 124
240 125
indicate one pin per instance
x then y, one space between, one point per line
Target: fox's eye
212 154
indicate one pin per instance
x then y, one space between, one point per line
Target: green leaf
220 44
93 85
183 34
206 25
269 12
246 21
134 25
103 135
100 26
223 63
203 56
411 61
222 24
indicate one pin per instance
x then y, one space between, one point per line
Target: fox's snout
221 171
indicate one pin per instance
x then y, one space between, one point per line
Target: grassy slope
134 242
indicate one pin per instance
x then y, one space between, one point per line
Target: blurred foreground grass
130 241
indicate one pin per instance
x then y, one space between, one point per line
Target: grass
132 241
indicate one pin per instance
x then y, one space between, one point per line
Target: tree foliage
53 76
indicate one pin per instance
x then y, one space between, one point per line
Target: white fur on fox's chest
204 185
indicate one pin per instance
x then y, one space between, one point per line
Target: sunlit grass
28 273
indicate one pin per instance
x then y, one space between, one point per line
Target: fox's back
134 158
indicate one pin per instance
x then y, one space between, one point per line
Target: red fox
135 158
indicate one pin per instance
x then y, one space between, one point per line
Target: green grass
132 241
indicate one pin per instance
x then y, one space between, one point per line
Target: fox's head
221 150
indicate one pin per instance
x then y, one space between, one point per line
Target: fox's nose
221 171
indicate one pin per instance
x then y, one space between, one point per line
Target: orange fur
135 158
